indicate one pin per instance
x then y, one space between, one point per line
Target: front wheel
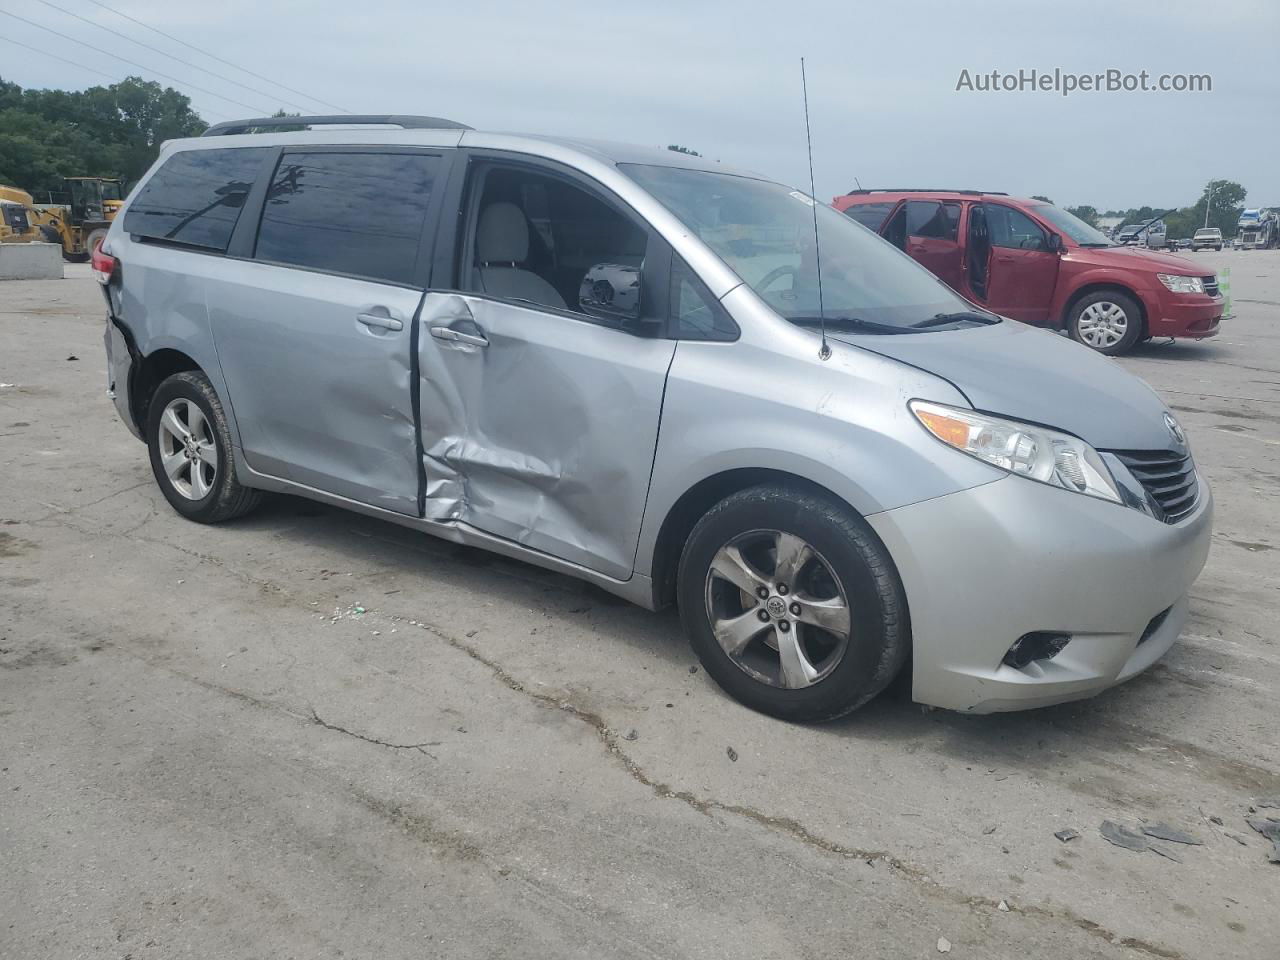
1107 321
792 604
190 447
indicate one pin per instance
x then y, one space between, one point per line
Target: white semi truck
1258 229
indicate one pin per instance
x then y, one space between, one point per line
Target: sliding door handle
377 320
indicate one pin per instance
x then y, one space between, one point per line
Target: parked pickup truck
1031 261
1206 238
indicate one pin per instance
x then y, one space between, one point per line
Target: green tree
1045 199
1086 213
113 131
1224 200
679 149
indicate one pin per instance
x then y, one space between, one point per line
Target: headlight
1037 453
1176 284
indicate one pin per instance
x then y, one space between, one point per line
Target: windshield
111 190
1211 232
1072 226
764 232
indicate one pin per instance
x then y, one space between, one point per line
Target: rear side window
870 215
355 213
195 197
928 218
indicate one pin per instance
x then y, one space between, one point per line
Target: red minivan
1031 261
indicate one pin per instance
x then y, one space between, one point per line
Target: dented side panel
546 435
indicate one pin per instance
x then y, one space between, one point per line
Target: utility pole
1212 187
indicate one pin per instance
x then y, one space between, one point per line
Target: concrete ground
311 734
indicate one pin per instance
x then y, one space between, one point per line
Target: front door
540 416
1022 271
314 333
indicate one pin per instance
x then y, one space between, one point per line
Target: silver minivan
618 362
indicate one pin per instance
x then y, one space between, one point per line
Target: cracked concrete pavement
313 734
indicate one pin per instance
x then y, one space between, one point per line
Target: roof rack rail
974 193
405 122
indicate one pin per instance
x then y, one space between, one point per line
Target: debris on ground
944 945
1003 906
1162 831
694 668
1268 802
988 831
732 754
1269 828
1122 836
1067 834
631 734
73 357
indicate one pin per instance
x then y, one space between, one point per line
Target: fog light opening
1031 647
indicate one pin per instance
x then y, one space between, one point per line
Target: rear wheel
1107 321
190 447
95 238
792 604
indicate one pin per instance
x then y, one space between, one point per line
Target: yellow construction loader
15 216
78 218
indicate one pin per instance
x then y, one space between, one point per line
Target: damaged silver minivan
611 361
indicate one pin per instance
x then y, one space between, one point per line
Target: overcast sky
723 78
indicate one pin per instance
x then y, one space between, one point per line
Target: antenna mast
824 351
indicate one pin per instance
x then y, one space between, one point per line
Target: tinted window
1010 228
354 213
195 197
870 215
695 314
928 218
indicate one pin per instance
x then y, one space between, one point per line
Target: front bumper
985 566
1195 315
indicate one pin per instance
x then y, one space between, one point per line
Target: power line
133 63
147 46
213 56
54 56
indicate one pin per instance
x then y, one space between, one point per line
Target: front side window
1013 229
360 214
695 313
537 237
195 197
928 218
764 232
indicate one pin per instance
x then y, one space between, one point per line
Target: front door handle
377 320
476 339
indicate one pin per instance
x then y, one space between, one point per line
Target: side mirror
1055 243
611 291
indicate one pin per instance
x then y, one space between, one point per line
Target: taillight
103 264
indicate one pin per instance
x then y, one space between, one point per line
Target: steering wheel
774 275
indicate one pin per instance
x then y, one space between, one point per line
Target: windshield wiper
850 323
941 319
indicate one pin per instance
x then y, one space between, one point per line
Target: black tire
226 497
1134 331
1218 248
94 238
880 635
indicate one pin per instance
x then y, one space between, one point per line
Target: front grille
1168 477
1211 285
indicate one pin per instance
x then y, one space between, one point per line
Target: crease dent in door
496 458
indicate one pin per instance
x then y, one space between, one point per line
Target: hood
1025 373
1140 257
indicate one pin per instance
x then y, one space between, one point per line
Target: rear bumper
120 358
985 566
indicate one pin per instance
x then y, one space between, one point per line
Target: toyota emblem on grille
1174 429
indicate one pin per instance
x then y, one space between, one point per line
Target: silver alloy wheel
1103 324
187 449
777 609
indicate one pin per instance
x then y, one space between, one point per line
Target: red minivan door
933 241
1022 271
